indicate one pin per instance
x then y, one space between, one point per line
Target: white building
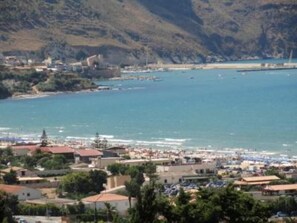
138 162
23 193
170 174
121 203
199 168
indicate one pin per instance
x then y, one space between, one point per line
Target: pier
234 66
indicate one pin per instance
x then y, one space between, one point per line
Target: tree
136 173
10 177
78 184
54 162
183 197
233 206
274 171
150 171
44 139
98 178
29 162
97 141
146 208
285 204
6 156
211 206
137 179
110 211
166 210
133 189
8 204
117 169
104 143
76 208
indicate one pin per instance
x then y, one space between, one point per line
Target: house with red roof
24 150
22 193
87 155
66 151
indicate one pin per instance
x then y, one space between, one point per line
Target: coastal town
100 180
43 174
92 65
148 111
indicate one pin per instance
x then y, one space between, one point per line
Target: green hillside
125 31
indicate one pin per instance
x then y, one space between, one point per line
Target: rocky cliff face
132 31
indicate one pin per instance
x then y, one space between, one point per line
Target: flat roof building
284 189
257 180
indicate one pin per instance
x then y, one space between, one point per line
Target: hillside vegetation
14 82
126 31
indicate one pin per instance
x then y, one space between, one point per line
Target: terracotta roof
260 178
57 149
281 187
28 147
88 152
105 197
11 189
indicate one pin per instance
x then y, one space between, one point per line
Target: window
28 194
165 181
23 172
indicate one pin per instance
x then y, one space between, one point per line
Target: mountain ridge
129 31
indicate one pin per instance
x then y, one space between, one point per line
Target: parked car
281 214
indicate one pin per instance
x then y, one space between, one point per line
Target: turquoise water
202 108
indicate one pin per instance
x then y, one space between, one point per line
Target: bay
186 109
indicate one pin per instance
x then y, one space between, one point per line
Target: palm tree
133 190
110 211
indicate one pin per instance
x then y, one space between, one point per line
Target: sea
214 109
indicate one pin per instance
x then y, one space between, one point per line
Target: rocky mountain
133 31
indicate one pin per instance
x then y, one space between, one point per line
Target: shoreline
48 93
240 67
214 66
161 144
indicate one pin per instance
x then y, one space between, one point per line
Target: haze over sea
199 108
